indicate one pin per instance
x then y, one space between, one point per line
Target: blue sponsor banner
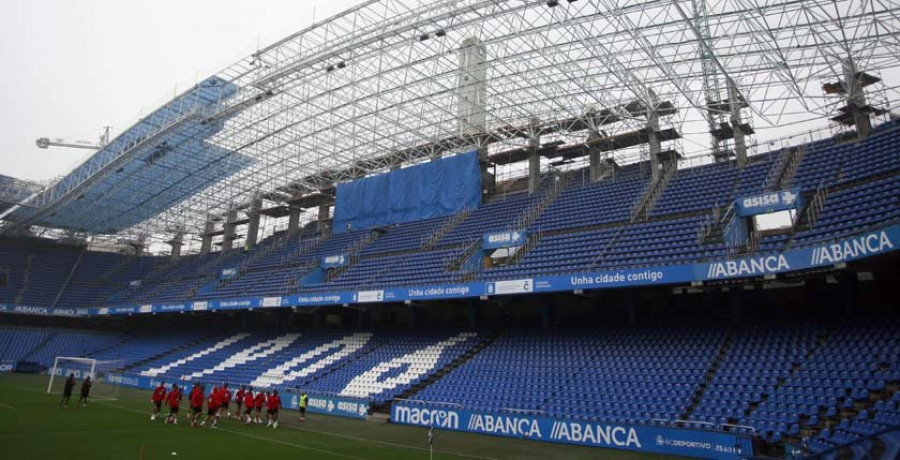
769 202
499 240
334 261
7 366
669 441
134 381
814 256
331 405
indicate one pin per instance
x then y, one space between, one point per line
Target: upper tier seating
586 227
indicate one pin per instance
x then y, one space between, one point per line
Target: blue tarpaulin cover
434 189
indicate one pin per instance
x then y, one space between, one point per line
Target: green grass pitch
33 427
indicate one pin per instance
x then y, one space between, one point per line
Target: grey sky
70 67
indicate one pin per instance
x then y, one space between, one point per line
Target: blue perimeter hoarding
670 441
332 405
818 255
328 405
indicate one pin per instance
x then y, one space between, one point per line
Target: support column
737 305
293 220
856 99
740 143
471 98
548 310
474 313
653 139
413 317
848 285
322 219
594 158
253 224
534 159
230 230
206 238
176 243
631 307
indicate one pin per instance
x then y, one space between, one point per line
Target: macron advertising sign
670 441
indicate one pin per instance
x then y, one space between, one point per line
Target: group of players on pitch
218 403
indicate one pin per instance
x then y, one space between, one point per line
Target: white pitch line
130 409
261 438
75 433
7 406
345 436
300 446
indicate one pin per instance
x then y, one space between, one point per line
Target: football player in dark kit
67 390
85 391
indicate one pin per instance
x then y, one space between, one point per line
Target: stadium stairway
353 252
69 277
40 345
710 375
783 170
26 277
644 204
486 341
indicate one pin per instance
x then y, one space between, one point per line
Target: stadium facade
510 182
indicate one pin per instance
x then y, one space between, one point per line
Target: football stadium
486 229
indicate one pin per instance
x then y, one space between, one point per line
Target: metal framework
378 86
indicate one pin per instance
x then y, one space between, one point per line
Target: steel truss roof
376 86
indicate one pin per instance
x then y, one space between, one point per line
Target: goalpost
98 370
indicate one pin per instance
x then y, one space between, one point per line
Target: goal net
81 368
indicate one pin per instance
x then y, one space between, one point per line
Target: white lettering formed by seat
258 351
155 372
345 347
419 362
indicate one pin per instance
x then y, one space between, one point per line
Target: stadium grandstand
667 227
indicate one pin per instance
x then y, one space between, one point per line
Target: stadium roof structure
379 86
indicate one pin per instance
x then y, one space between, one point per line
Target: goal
98 370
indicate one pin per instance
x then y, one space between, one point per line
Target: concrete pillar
655 143
317 319
230 230
322 219
737 309
474 313
413 317
848 285
534 159
293 220
177 242
631 307
472 87
740 143
206 238
548 310
253 224
472 97
534 172
856 99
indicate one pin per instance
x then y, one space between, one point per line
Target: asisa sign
672 441
334 261
769 202
504 240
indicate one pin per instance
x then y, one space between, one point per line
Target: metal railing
816 204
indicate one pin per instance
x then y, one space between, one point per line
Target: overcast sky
70 67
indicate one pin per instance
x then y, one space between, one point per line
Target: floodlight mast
45 143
